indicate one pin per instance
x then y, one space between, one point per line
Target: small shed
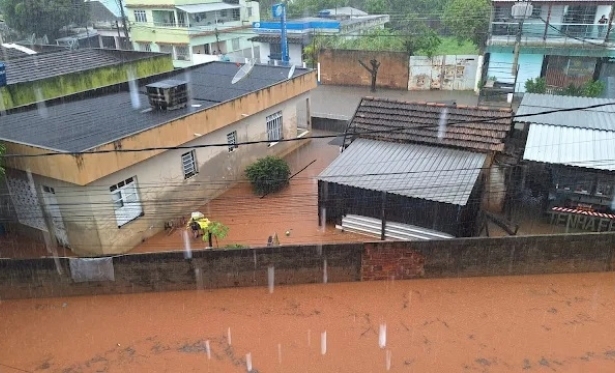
420 166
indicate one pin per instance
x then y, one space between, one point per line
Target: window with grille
235 44
126 201
145 47
140 16
236 14
189 164
231 139
182 52
275 127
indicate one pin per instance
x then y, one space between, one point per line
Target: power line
147 149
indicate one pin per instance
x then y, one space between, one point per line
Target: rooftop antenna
243 71
291 72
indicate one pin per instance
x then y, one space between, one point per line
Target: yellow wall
87 168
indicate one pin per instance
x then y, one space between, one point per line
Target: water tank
522 10
168 95
2 74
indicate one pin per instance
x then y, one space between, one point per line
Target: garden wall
209 269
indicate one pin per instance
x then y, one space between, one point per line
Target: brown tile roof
418 122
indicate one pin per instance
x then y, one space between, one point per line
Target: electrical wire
191 147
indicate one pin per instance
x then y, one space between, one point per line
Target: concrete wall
208 269
23 94
342 67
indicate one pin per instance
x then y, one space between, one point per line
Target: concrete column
100 42
117 42
479 73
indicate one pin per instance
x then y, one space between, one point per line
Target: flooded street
557 323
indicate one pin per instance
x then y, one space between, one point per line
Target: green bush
268 175
538 85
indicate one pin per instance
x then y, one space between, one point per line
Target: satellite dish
243 72
291 72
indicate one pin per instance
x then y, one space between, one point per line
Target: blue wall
298 25
530 65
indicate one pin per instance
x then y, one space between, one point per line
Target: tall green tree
44 17
376 6
469 20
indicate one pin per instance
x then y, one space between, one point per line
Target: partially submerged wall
209 269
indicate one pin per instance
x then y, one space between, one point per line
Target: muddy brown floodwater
559 323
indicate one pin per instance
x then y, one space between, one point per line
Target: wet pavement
252 219
554 323
341 102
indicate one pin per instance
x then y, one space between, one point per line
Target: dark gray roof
85 124
600 118
417 171
11 53
48 65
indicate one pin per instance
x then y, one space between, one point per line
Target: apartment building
192 31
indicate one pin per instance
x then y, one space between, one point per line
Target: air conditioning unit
168 95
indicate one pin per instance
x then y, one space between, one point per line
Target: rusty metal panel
442 72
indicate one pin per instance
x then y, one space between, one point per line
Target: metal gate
442 72
53 209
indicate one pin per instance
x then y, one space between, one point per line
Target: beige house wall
89 214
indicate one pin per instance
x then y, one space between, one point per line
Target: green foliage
44 17
376 6
268 175
313 50
468 20
589 89
235 246
538 85
216 230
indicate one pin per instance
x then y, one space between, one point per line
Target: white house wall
164 192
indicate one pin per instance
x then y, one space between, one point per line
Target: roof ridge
437 104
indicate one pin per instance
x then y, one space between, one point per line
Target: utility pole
521 10
124 24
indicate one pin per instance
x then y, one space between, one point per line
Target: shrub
215 230
268 175
538 85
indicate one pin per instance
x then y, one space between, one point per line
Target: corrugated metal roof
601 118
410 170
571 146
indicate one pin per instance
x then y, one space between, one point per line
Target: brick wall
503 256
210 269
342 67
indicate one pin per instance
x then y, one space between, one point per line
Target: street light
521 11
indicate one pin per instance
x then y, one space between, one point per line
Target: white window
182 52
189 164
126 202
231 139
140 16
145 47
235 44
275 127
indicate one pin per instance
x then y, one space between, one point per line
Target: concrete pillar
479 73
100 42
117 42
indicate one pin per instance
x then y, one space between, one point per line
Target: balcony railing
554 32
221 26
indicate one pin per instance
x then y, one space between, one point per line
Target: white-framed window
275 127
140 16
231 139
145 47
182 52
235 44
236 14
126 201
189 164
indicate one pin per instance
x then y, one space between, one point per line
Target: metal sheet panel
416 171
449 72
601 118
579 147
